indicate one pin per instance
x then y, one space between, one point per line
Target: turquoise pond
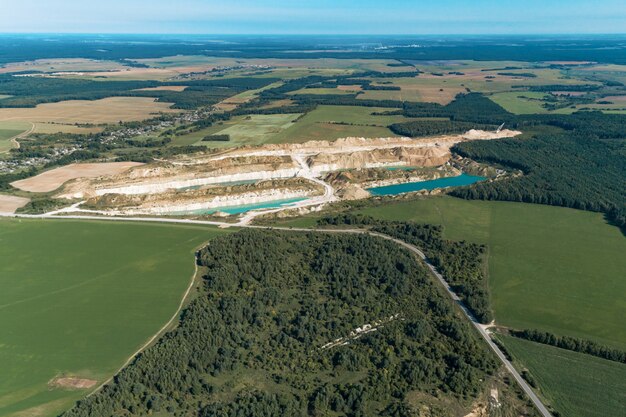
243 208
407 187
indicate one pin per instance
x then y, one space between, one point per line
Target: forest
30 91
570 170
461 263
257 340
497 48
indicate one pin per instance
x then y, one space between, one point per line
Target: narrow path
19 136
482 329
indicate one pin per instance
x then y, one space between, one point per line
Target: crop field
243 130
10 203
63 65
575 384
54 178
323 123
445 82
522 102
550 268
108 110
82 316
322 91
8 130
334 122
232 102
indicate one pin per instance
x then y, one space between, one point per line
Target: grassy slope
80 297
550 268
576 385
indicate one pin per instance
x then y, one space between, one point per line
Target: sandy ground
108 110
53 179
72 383
10 203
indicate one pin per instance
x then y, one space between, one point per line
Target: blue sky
314 17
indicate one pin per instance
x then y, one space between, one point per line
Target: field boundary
19 136
482 329
163 328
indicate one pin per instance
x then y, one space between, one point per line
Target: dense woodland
461 263
251 342
30 91
435 127
496 48
569 170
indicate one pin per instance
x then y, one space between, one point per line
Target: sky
314 17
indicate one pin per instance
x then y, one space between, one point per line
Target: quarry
273 177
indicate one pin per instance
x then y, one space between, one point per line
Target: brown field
62 65
349 87
615 99
177 88
53 179
64 128
108 110
10 203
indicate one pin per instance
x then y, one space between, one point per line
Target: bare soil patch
53 179
72 383
10 203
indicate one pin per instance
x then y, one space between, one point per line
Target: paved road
481 329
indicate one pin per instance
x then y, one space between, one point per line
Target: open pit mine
270 177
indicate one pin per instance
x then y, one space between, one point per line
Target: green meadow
78 298
575 384
550 268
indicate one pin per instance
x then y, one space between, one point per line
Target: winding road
482 329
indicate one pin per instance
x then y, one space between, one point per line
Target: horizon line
319 34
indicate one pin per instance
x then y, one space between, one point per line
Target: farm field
243 130
64 314
454 79
9 130
521 102
334 122
575 384
541 261
323 123
10 203
63 65
53 179
108 110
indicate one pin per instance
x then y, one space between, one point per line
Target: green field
522 102
323 124
575 384
556 269
255 129
79 297
8 130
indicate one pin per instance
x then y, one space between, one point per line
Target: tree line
251 342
